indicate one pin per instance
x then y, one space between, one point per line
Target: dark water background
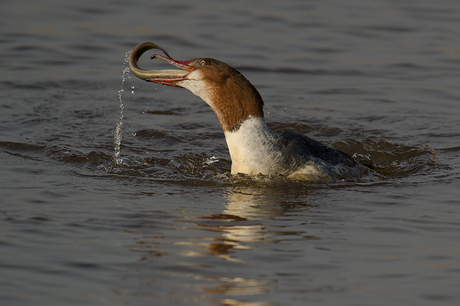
168 224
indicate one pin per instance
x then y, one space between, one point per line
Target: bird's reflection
249 219
253 218
241 223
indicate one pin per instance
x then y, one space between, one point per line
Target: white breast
253 149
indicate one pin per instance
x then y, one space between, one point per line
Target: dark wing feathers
293 144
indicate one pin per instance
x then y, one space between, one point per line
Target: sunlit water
161 221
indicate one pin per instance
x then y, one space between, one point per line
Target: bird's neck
230 95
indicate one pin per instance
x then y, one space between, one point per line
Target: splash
118 132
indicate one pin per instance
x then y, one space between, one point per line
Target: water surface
167 224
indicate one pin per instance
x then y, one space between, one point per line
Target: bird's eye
203 63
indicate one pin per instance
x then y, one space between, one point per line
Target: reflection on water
243 225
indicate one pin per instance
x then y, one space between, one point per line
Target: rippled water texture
165 223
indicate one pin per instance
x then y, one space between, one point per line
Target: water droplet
211 160
146 109
118 132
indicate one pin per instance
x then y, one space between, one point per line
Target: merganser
254 148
